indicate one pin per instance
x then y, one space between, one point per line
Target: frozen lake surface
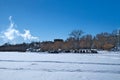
43 66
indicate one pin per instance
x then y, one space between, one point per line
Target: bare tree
86 41
76 34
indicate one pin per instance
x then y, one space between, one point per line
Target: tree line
76 40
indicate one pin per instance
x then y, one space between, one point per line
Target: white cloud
12 35
11 22
28 36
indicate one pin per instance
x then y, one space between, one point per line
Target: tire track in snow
61 70
62 62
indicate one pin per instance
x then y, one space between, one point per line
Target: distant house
58 40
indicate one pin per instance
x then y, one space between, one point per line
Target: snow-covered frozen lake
43 66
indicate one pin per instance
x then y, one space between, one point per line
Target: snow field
43 66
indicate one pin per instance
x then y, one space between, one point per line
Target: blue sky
49 19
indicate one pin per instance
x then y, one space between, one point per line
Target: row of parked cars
74 51
64 51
